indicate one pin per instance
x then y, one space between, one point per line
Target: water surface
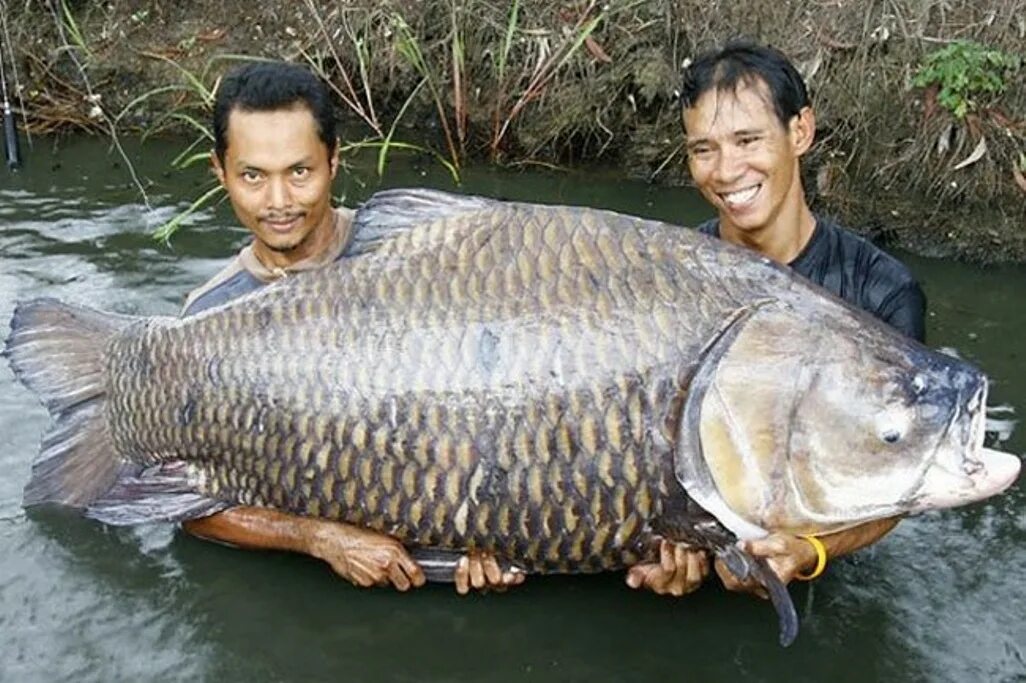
940 599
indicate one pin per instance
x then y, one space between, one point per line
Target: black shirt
858 272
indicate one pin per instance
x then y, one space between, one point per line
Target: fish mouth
965 471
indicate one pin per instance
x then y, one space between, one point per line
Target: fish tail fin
57 351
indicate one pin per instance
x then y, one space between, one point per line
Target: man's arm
681 570
363 557
790 556
905 311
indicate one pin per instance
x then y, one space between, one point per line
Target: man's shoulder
880 282
344 213
226 284
862 254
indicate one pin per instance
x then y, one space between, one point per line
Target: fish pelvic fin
57 351
390 213
160 493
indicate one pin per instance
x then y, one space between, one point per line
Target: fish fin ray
393 212
743 566
56 350
161 493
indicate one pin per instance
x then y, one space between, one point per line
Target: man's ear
215 163
803 130
333 160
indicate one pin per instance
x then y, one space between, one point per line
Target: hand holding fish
790 556
681 569
365 558
786 555
482 572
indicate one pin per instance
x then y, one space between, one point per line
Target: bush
965 71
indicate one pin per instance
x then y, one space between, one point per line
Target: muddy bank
537 82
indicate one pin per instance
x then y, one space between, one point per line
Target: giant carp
562 387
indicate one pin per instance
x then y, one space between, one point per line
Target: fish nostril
972 467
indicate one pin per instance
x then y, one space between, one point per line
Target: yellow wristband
821 559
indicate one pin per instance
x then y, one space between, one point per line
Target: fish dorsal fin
393 212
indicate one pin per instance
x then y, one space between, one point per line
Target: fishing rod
11 150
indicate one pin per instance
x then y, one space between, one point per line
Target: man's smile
739 198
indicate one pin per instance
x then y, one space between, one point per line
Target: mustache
281 215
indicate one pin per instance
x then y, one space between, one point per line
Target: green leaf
167 230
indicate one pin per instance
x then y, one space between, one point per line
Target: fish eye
891 436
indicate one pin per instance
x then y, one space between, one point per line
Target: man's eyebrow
243 165
691 143
748 131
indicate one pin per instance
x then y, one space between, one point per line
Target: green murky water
940 599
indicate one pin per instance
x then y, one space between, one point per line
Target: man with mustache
276 154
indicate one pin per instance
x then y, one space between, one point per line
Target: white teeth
741 196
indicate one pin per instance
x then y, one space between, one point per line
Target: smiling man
276 155
748 122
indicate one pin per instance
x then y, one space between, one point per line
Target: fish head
813 429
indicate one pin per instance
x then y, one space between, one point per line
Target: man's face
278 174
742 159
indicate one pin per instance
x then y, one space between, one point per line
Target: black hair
271 86
745 63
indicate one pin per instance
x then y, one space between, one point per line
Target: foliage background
553 83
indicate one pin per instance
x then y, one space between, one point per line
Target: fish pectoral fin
744 566
161 493
390 213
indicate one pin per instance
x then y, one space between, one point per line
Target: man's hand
786 555
680 570
481 571
365 558
789 555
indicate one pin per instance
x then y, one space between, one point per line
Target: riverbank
534 82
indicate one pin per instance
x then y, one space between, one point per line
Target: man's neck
317 242
782 240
